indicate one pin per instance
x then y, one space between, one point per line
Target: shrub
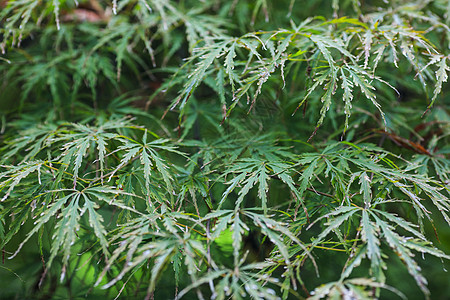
224 149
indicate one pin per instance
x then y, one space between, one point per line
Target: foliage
224 149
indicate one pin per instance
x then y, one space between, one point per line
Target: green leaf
394 241
441 77
369 234
96 222
366 190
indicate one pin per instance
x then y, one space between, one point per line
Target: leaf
441 77
355 261
263 187
359 80
149 158
229 64
238 228
347 86
404 254
400 222
16 174
326 98
65 232
367 43
306 176
423 247
369 234
160 262
197 75
233 183
344 213
272 229
47 215
366 190
96 220
221 226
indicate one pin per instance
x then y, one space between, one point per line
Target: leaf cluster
225 149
